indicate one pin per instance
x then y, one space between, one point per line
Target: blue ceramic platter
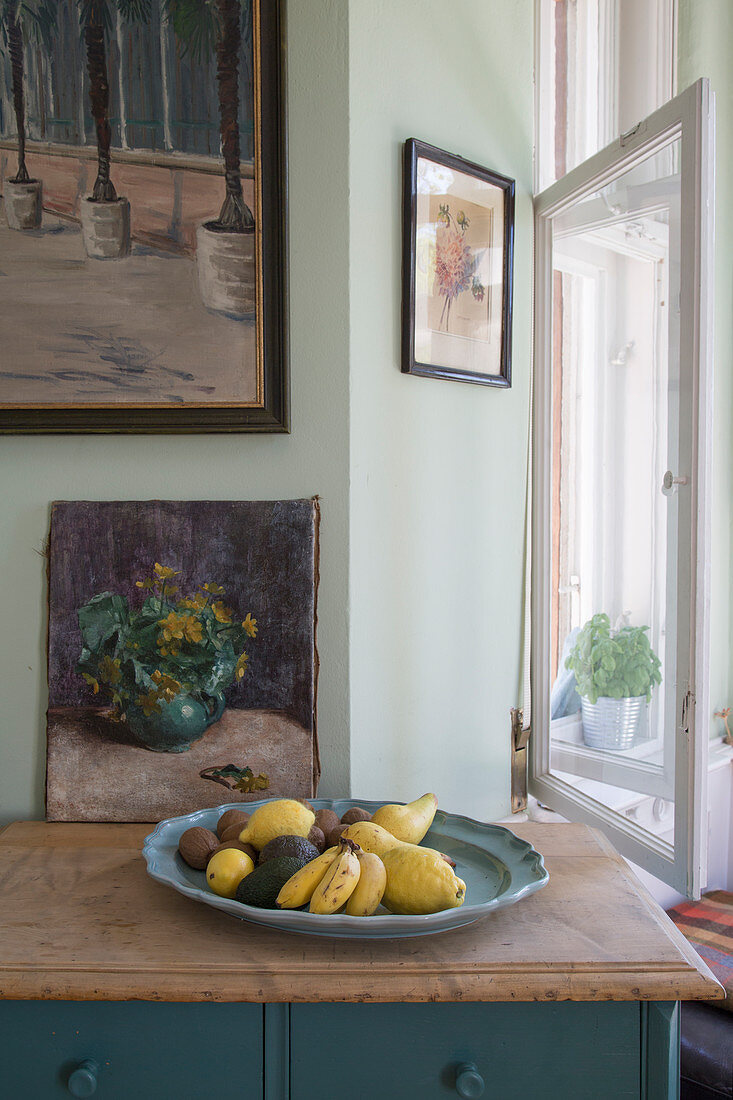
497 867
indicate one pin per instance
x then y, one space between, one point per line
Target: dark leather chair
706 1061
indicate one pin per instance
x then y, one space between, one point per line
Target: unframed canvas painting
181 657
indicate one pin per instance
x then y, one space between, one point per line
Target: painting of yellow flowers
457 268
181 655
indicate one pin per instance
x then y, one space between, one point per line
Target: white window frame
609 34
690 117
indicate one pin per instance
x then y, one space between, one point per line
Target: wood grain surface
80 919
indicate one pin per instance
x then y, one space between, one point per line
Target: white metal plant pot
614 724
226 269
105 227
23 204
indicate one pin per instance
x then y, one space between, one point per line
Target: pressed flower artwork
457 268
181 655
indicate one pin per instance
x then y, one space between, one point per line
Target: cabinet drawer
586 1051
141 1050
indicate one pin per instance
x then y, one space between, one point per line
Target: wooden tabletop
81 919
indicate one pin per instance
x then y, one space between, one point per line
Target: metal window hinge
687 704
519 752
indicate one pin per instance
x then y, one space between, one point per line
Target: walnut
355 814
317 838
326 820
334 836
196 846
231 817
232 831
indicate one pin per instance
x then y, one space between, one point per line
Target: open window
620 511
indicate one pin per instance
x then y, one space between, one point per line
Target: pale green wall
437 468
705 49
313 459
422 481
432 479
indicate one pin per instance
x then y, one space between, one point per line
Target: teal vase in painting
181 721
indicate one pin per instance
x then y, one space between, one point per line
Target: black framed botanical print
143 219
457 268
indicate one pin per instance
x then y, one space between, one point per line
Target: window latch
519 751
626 137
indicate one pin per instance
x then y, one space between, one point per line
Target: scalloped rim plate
498 867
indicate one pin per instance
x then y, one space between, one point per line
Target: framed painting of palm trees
143 221
456 268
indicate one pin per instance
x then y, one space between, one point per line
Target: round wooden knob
83 1079
469 1082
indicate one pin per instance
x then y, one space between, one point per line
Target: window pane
616 450
603 65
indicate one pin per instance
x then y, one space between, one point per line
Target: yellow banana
375 838
339 881
369 889
298 890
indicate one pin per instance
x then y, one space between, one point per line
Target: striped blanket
708 925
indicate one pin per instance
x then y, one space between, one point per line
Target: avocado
261 886
288 845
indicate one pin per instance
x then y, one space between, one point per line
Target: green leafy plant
618 664
144 657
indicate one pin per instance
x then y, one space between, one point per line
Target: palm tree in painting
96 18
204 27
24 21
225 246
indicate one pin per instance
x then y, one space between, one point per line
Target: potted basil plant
165 665
615 672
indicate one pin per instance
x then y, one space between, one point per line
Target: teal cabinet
131 1050
139 1050
568 1050
565 1051
570 995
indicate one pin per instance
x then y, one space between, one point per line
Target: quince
420 881
281 817
410 822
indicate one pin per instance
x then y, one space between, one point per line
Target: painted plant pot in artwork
105 216
22 22
164 666
225 246
177 723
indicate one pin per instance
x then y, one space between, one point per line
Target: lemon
420 881
281 817
226 869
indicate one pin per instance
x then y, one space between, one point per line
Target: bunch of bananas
344 875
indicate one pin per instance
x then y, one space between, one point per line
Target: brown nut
232 831
231 817
307 804
317 838
355 814
334 836
326 820
240 848
196 846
